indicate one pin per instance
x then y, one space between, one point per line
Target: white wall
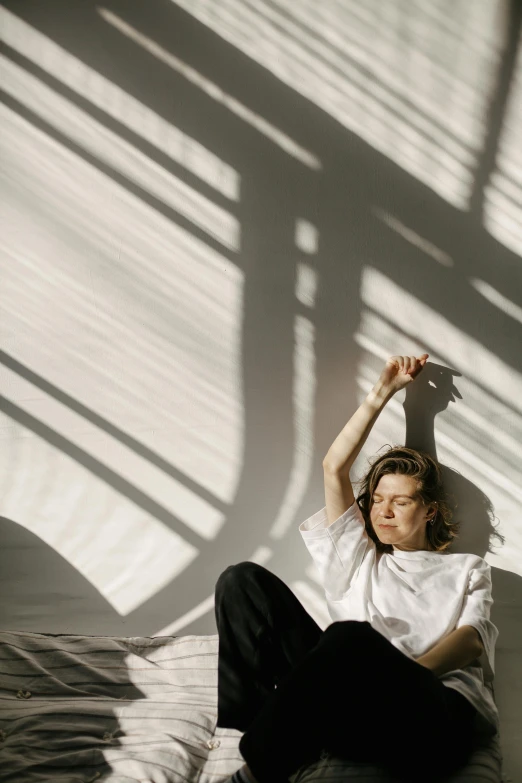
219 220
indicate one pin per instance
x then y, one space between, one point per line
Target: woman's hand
399 371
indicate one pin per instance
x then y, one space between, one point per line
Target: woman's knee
343 627
236 575
346 632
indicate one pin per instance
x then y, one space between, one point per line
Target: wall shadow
343 201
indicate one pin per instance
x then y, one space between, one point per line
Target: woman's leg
357 696
263 632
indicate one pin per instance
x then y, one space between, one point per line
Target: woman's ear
432 511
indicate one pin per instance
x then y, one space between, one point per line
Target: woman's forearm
460 648
344 450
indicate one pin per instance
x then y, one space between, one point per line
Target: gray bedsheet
79 709
76 709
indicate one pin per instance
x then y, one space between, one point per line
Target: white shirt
414 599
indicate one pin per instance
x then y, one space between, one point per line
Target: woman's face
396 503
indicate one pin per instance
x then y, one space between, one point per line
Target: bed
80 709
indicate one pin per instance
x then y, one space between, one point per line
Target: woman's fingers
396 361
409 365
419 365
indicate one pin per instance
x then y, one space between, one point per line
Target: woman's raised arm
398 372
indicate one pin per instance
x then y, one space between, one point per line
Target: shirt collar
418 554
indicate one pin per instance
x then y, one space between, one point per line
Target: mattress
79 709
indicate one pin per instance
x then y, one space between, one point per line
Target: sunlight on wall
125 552
499 300
491 392
414 84
482 368
306 236
98 262
413 238
116 103
117 304
172 495
261 556
304 383
503 195
214 91
304 394
119 155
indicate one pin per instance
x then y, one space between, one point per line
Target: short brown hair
422 467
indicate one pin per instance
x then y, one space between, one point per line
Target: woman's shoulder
464 557
467 561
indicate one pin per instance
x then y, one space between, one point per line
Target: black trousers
295 690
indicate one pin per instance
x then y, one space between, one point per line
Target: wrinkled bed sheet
79 709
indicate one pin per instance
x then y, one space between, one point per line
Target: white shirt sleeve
476 609
337 550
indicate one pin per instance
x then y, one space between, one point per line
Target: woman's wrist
380 394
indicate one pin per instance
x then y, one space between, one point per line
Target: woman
398 677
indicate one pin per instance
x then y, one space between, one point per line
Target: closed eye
399 504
